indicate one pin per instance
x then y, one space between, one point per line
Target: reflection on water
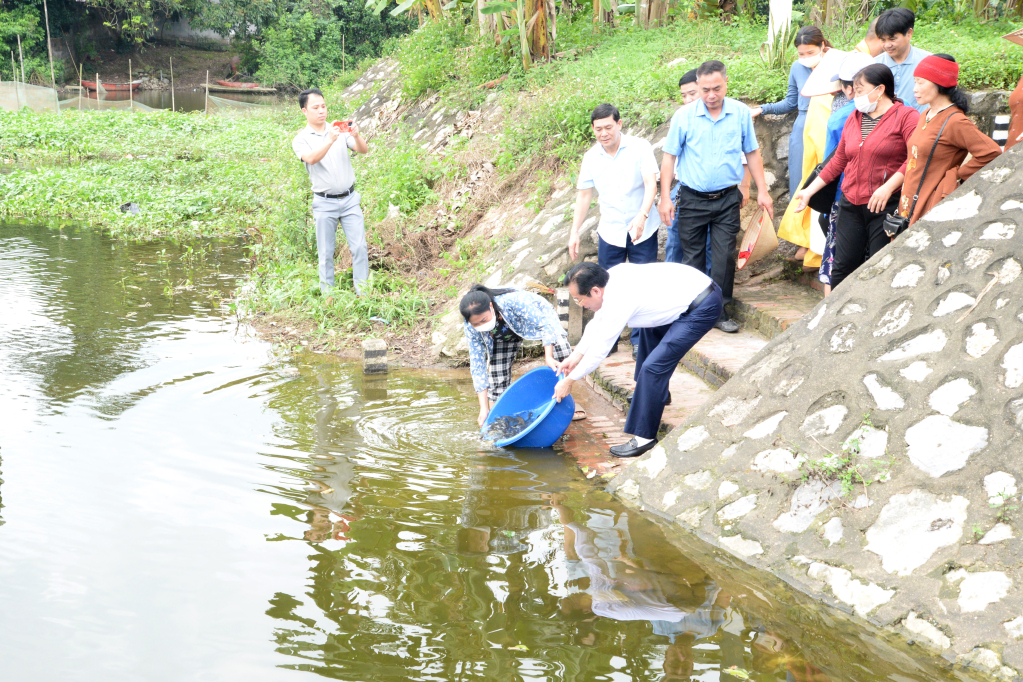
181 504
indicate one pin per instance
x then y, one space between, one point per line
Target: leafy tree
25 22
234 17
311 42
133 22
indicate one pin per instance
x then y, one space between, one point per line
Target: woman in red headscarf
937 80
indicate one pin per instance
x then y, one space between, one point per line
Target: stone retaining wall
871 453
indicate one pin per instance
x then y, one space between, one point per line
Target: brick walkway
763 310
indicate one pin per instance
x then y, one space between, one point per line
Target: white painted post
374 356
780 12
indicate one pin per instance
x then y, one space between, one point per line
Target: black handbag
895 224
822 200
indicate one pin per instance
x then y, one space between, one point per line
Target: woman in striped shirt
871 153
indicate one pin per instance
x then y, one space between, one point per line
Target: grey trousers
328 213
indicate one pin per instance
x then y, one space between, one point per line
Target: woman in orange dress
937 79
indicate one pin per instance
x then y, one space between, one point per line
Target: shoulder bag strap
927 165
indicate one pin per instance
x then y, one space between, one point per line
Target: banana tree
531 21
433 8
604 11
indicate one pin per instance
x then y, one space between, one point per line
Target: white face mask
863 103
488 325
810 62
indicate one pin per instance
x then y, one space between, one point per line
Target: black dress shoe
668 402
726 325
635 353
632 449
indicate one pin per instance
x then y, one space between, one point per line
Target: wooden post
207 92
98 86
80 87
131 91
172 82
21 56
49 51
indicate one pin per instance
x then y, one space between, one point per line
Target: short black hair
605 111
893 22
872 30
303 97
688 77
586 276
712 66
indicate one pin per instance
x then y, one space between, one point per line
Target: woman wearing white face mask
871 153
810 48
496 322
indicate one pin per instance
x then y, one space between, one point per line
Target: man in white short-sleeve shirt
623 171
325 152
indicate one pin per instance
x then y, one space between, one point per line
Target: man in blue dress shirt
705 146
894 28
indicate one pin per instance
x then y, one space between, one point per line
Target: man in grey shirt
334 196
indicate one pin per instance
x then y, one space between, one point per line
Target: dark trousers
698 216
609 256
660 351
673 248
859 234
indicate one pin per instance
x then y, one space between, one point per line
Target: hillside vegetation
195 176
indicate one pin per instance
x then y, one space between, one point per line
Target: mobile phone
343 126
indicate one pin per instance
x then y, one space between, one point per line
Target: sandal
580 413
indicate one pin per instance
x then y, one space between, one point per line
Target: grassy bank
195 176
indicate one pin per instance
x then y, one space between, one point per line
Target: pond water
177 502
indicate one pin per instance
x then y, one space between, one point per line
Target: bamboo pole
14 70
131 90
21 56
207 92
70 52
172 82
49 52
98 86
342 53
80 87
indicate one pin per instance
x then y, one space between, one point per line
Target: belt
336 196
710 195
701 297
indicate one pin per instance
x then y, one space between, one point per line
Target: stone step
769 308
764 310
718 355
613 381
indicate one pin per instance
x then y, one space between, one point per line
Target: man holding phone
325 151
623 170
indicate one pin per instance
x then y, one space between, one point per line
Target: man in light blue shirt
705 145
623 170
895 30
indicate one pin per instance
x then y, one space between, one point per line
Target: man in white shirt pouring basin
672 305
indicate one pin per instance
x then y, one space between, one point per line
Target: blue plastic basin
532 393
